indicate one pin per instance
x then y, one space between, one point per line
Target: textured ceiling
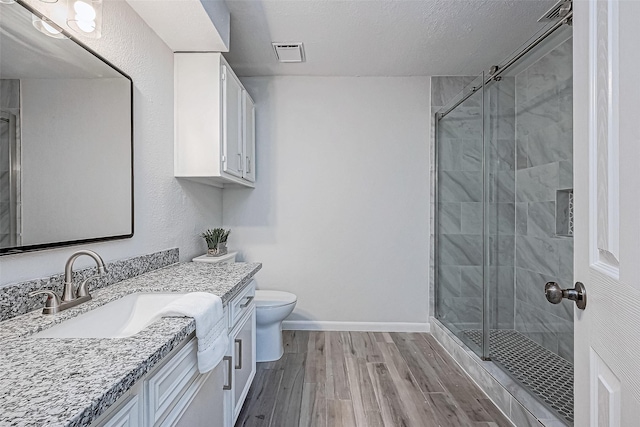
380 38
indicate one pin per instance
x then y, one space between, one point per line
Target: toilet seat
273 299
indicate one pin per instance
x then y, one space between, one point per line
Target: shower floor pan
547 375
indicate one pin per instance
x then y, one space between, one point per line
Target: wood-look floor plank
448 413
313 412
324 380
365 405
289 397
340 413
382 336
393 414
295 341
337 379
413 400
361 345
261 399
316 365
418 364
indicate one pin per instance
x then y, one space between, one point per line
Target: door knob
555 294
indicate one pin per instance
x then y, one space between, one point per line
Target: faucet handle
83 289
52 304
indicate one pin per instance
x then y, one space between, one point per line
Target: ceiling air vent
289 52
558 11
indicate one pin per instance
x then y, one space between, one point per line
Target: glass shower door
459 215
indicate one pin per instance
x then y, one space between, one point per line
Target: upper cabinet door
232 160
249 138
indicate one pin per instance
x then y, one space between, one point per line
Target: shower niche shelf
564 213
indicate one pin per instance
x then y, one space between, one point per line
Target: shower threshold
545 374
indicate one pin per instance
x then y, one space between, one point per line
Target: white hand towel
211 329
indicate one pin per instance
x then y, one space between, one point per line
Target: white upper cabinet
214 122
232 123
249 137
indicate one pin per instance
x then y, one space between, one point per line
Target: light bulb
50 29
84 12
86 26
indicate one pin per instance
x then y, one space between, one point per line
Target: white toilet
272 307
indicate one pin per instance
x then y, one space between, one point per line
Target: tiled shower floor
545 374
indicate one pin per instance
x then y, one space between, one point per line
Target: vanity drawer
241 304
166 386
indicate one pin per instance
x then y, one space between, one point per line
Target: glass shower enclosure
504 216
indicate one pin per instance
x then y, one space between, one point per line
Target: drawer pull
239 365
246 304
229 373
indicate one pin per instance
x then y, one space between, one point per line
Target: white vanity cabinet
175 394
214 122
243 347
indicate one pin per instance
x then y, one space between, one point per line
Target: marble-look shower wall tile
450 154
450 277
460 249
460 186
522 218
502 155
536 254
471 281
541 219
444 88
462 123
471 154
565 174
502 249
501 219
450 218
15 299
471 218
502 186
537 184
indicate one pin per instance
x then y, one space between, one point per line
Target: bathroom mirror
66 145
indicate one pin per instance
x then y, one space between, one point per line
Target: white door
607 211
232 123
249 137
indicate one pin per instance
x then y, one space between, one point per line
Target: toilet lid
274 298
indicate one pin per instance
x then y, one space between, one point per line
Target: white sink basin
117 319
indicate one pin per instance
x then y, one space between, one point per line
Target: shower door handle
555 294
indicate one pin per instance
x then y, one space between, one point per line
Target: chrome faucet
70 295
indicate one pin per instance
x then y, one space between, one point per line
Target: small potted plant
216 241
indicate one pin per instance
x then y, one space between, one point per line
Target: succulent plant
215 236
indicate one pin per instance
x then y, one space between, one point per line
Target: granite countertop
70 382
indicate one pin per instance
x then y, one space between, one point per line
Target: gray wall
544 140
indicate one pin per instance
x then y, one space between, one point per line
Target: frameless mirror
66 142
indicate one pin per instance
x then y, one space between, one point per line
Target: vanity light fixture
47 27
85 17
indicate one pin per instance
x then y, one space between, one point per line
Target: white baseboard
311 325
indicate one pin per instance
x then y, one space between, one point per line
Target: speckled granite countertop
70 382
